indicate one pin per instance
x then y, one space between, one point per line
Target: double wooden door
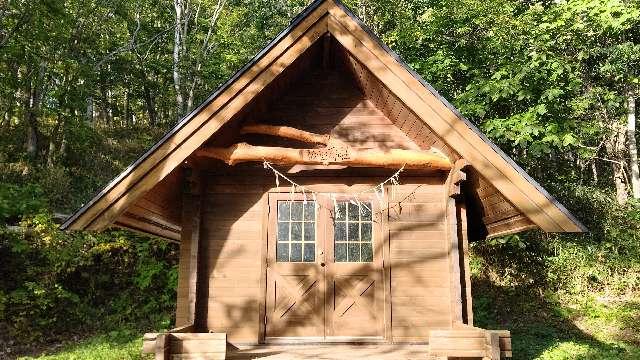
324 270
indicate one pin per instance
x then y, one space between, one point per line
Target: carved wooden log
334 152
395 158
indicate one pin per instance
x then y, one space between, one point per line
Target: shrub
55 282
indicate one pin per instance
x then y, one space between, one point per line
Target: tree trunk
362 10
192 93
63 145
89 113
148 100
204 51
103 115
110 108
32 108
51 151
31 144
127 116
615 148
633 150
5 118
177 41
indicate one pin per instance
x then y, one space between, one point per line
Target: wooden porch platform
331 351
464 342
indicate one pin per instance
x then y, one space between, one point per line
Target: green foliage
606 260
16 201
563 296
121 344
60 282
547 326
545 80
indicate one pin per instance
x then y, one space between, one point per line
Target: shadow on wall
232 242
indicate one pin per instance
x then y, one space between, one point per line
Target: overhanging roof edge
294 22
469 124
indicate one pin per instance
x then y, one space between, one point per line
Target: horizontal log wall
232 215
420 279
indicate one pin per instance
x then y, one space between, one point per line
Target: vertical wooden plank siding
420 283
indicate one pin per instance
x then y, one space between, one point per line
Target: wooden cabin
325 194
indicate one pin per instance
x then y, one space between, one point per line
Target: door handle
322 264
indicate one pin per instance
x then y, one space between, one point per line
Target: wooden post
326 52
386 266
452 190
463 235
163 347
189 249
454 263
493 345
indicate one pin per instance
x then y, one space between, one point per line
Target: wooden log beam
286 132
332 152
393 159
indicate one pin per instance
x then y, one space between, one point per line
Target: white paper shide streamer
353 198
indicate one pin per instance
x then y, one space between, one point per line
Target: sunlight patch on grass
120 345
571 350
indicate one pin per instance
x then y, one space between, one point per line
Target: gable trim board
320 17
282 48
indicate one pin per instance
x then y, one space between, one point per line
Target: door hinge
265 319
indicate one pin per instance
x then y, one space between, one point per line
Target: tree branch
334 152
286 132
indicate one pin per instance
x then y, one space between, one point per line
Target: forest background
86 86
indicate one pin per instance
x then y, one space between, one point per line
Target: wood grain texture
499 216
463 237
329 102
420 283
184 265
233 255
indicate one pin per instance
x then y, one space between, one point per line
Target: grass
561 326
544 327
592 328
115 345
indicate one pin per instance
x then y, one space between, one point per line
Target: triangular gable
321 17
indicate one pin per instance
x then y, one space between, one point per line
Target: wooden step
470 342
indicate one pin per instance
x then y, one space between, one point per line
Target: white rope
355 197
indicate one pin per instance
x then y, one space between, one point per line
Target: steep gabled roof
320 17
